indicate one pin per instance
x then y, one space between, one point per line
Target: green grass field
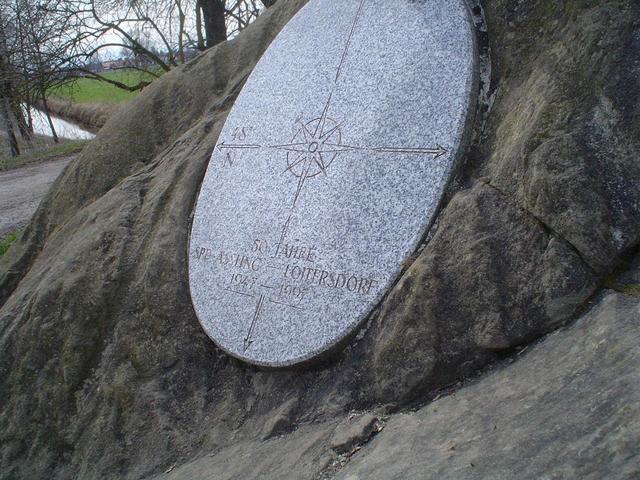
85 90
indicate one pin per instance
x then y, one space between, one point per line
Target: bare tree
39 51
50 43
31 48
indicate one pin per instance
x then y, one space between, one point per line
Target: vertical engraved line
346 48
248 341
285 229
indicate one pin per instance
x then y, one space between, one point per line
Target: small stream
63 128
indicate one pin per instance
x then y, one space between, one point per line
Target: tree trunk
18 114
29 118
215 25
45 105
181 56
201 45
181 22
268 3
6 95
11 136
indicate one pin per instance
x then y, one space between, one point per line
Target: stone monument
328 172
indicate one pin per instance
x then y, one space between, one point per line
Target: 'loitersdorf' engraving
327 172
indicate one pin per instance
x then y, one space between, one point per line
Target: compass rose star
312 149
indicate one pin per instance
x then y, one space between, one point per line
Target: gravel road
22 189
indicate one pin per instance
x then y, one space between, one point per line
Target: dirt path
22 189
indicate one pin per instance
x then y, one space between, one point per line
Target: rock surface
566 408
353 432
105 372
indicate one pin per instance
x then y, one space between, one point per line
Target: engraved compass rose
312 150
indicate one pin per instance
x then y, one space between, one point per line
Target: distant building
113 64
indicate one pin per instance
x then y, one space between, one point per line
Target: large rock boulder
106 373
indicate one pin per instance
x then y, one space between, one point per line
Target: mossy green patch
7 241
633 290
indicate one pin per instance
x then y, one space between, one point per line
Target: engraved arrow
248 340
436 152
223 146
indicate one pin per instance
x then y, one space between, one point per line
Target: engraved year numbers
293 291
240 279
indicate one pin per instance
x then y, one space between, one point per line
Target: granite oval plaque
327 172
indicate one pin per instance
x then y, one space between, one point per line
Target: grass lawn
86 90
